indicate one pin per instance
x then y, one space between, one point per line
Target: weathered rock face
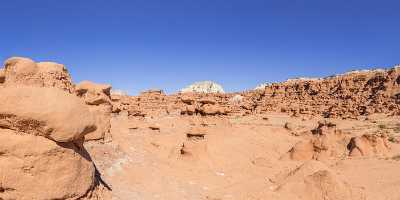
204 87
24 71
41 153
323 143
202 104
369 145
55 75
151 102
48 112
343 96
93 93
20 71
64 170
97 97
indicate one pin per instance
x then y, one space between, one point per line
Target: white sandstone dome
119 92
262 86
204 87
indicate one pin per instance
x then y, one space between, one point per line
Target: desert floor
244 157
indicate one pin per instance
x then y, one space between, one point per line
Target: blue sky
140 44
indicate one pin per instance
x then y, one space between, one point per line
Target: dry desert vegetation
335 138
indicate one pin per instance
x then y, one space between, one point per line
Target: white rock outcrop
119 92
204 87
261 86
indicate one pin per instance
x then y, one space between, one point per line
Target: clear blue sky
168 44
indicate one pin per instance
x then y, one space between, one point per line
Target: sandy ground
240 157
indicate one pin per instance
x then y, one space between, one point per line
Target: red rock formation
347 96
342 96
97 97
43 125
324 142
369 145
24 71
41 149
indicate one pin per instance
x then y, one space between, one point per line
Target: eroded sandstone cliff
343 96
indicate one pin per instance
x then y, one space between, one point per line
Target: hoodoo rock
93 93
48 112
41 153
98 99
24 71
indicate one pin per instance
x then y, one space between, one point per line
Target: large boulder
41 144
33 167
24 71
